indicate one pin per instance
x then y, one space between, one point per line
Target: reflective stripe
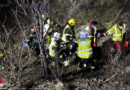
52 50
64 37
116 39
117 35
85 53
109 32
116 30
95 30
68 34
52 53
85 49
84 43
67 27
124 28
90 36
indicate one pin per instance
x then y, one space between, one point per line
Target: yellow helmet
72 21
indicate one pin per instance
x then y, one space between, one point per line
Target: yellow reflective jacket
52 51
47 21
84 48
65 34
117 34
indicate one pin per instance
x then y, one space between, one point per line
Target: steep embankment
112 74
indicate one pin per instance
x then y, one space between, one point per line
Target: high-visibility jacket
49 35
52 48
84 48
50 29
47 21
92 33
117 34
67 32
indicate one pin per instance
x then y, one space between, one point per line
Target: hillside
24 70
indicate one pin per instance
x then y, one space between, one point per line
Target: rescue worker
67 37
84 50
48 28
54 46
117 33
45 20
68 32
92 32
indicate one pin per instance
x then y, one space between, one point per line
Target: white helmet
84 34
43 16
56 36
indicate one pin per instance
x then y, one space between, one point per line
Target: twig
107 79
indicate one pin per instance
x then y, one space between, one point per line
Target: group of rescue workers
60 46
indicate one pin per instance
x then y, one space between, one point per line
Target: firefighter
48 28
68 37
68 32
54 46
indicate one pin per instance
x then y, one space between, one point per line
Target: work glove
94 44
